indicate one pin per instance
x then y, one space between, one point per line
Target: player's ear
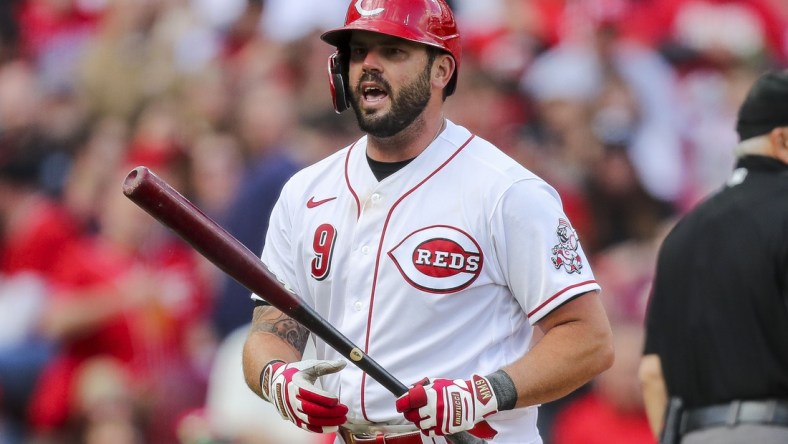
778 139
442 70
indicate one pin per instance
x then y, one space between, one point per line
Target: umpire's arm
655 393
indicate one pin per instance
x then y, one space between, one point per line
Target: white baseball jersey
439 270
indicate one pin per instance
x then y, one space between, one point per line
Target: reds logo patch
565 253
438 259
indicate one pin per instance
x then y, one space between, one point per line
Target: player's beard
406 105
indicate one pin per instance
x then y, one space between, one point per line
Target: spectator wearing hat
717 319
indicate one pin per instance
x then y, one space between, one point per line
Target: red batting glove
445 406
291 389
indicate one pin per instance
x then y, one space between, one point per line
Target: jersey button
375 198
365 249
358 305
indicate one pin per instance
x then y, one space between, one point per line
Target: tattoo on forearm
283 326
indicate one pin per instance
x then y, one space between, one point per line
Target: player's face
390 82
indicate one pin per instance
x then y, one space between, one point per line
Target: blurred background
113 331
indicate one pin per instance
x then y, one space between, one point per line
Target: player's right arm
273 351
274 370
272 336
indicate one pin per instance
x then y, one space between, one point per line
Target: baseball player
428 247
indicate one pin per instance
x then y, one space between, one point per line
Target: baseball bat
206 236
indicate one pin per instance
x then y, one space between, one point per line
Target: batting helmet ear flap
338 79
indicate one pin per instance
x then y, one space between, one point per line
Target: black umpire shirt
718 314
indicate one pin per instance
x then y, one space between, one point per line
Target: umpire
715 364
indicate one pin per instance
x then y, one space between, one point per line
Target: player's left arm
577 345
576 339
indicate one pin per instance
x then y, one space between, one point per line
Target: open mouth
373 94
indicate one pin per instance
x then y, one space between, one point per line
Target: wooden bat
168 206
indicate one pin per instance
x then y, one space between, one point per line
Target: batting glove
291 389
445 406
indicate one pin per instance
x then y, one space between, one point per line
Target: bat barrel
173 210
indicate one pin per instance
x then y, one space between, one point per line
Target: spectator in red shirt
130 310
35 234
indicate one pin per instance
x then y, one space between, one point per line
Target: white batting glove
445 406
291 389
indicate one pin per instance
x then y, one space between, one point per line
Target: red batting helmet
430 22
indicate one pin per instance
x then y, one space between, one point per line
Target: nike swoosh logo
312 203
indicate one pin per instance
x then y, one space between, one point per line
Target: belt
765 412
351 437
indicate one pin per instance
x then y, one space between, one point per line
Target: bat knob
133 180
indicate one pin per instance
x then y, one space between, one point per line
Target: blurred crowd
113 330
